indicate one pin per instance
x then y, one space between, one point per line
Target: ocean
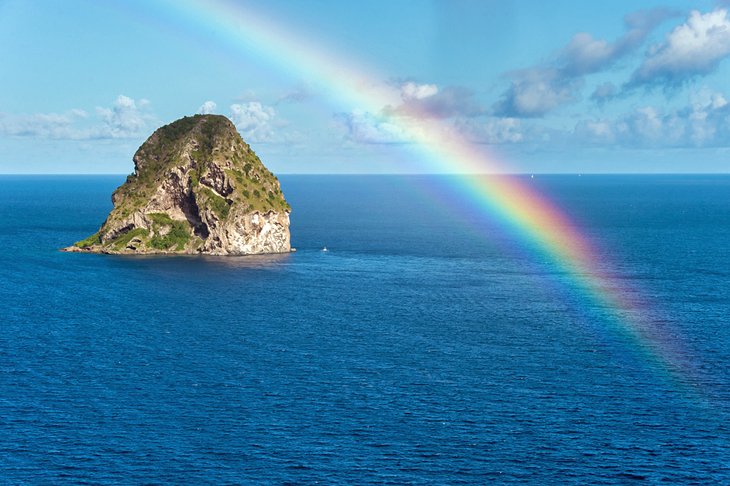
429 345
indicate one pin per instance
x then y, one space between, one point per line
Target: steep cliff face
197 187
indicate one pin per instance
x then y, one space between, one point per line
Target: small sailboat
325 249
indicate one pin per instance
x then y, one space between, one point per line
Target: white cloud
538 90
368 128
535 92
705 121
709 117
126 118
645 124
40 125
207 108
428 101
254 120
364 127
596 131
693 48
494 130
585 55
411 91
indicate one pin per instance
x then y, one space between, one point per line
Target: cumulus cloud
595 131
426 107
207 108
642 127
535 91
585 55
708 119
429 101
705 121
693 48
368 128
365 127
494 130
411 91
125 118
40 125
254 120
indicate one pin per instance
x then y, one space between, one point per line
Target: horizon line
484 174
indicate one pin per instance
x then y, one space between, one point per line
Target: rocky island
197 188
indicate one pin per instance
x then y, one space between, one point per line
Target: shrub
123 240
219 205
178 236
90 241
160 218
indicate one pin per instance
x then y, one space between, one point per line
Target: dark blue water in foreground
428 346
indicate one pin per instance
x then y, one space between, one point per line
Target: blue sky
620 86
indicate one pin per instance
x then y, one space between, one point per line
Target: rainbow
508 199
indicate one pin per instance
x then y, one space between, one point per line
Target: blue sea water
430 345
